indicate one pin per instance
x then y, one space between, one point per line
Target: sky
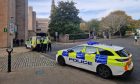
91 9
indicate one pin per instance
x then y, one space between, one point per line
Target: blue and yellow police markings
65 53
80 55
101 59
80 61
80 58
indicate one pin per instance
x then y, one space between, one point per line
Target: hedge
78 36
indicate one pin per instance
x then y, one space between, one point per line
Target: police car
105 60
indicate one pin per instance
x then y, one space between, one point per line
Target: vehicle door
76 55
104 56
28 43
90 55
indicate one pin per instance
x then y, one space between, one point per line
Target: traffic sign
12 28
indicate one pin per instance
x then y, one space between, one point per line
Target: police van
105 60
31 42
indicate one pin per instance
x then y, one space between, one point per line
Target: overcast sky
91 9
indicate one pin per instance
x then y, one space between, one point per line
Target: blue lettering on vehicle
80 55
80 61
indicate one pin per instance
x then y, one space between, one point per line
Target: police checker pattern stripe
94 58
101 59
79 55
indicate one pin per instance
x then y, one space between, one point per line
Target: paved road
128 43
59 46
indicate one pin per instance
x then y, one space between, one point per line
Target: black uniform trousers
44 47
38 46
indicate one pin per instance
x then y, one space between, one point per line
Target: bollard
9 50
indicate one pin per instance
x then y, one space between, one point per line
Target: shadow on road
118 79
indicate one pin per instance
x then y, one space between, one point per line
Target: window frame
106 50
75 47
92 47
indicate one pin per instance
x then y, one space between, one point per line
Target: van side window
105 52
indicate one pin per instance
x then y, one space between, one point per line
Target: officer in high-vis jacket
45 42
38 46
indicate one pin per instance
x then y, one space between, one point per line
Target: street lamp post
10 49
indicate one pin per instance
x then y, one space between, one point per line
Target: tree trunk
120 33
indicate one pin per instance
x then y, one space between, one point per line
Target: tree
65 20
133 24
115 22
83 26
93 25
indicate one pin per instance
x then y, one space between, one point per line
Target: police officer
45 42
42 40
38 46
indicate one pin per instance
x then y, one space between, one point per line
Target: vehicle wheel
26 46
32 49
104 71
61 61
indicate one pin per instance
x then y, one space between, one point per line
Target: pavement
34 68
128 43
40 68
26 60
16 50
51 75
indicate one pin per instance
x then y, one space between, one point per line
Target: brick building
42 25
16 9
22 19
31 22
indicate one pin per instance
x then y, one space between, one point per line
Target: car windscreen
123 53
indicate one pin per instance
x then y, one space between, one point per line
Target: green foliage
93 25
115 22
78 36
133 24
65 19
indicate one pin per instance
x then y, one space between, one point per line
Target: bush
78 36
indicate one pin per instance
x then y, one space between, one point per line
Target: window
90 50
105 52
38 29
123 53
77 48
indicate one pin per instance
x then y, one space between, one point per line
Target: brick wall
21 18
3 22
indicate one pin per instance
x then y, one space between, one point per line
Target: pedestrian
136 39
45 42
49 45
21 41
17 42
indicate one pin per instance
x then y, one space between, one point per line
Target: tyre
61 61
104 71
26 46
32 49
